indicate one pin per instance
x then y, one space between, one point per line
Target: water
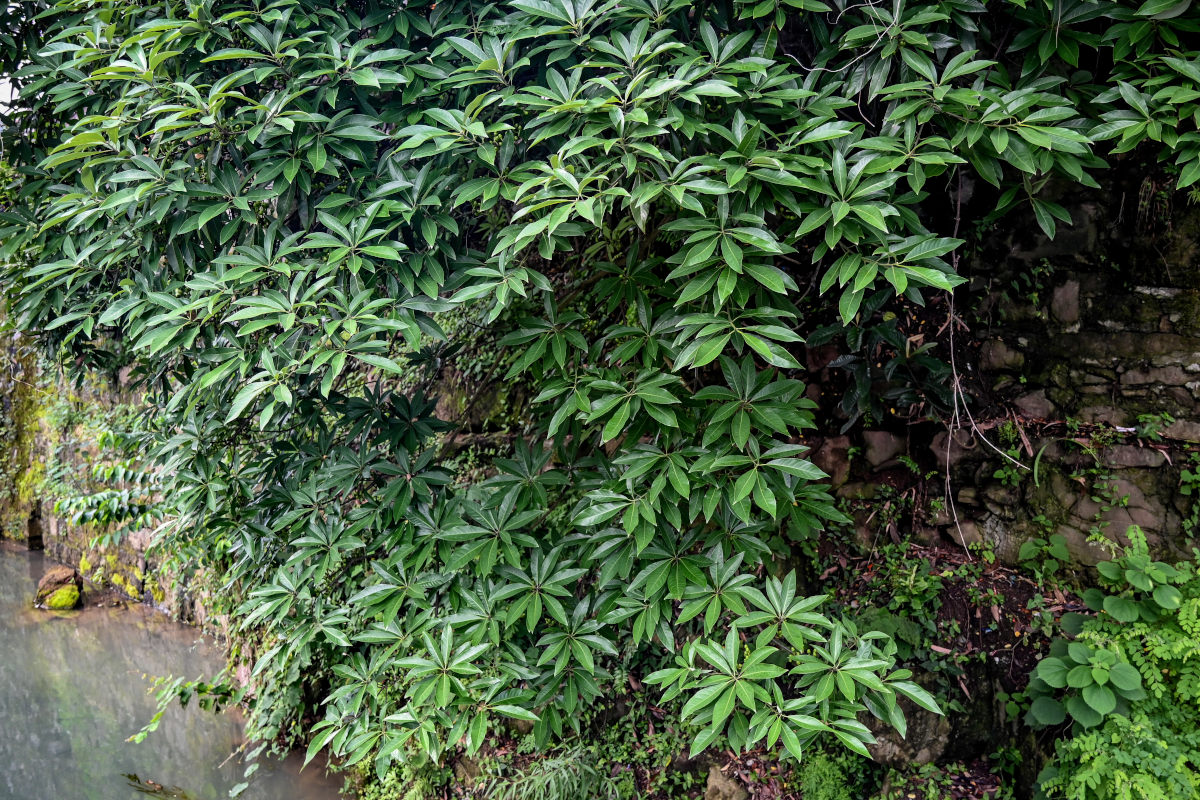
72 691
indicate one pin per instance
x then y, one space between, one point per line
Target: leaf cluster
1129 681
269 209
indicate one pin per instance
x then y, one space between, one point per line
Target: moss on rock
60 589
64 598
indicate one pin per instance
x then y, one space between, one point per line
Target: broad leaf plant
279 213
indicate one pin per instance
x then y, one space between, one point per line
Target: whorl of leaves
267 207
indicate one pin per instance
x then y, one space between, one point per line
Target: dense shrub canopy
288 215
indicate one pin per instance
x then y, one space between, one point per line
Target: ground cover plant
1127 682
281 214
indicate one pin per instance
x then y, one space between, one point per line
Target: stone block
60 589
1106 415
1173 375
927 738
722 787
950 449
967 532
833 456
1185 429
995 354
882 446
1035 405
1064 303
1125 456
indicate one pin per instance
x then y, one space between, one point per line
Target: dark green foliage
268 208
822 778
1148 755
117 494
1088 678
1100 681
571 773
1130 681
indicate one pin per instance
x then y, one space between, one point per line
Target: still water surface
72 689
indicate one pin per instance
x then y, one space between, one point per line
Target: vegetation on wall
1129 683
273 211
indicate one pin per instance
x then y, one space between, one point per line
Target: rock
63 598
1184 429
1109 415
467 770
951 449
1173 375
1001 538
522 727
1128 456
60 589
1064 303
1035 405
966 532
882 447
857 490
998 498
722 787
468 402
996 355
927 535
1082 551
927 737
833 456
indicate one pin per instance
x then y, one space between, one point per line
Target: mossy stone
60 588
64 598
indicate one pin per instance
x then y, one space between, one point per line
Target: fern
566 776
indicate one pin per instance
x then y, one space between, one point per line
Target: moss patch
63 598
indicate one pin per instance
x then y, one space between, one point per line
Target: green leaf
1054 672
515 712
616 423
707 351
244 398
1079 676
1100 698
1083 713
744 486
915 693
848 306
1125 677
1162 9
1168 597
1047 711
705 738
770 351
1121 608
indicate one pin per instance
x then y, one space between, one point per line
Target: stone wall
43 427
1082 360
22 396
1105 382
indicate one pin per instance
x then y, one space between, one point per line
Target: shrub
269 208
1130 681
